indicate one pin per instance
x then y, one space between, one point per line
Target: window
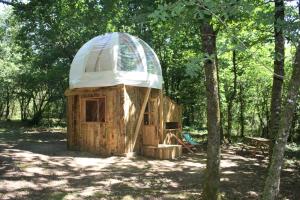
95 110
149 115
172 125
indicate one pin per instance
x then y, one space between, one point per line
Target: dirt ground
37 165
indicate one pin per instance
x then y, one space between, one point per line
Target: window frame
150 112
84 100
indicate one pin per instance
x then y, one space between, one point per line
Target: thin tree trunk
165 74
1 110
278 72
242 110
221 125
232 96
212 182
7 112
293 126
271 188
267 115
220 105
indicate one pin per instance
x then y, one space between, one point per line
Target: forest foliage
40 38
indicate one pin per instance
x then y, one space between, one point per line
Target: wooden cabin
112 114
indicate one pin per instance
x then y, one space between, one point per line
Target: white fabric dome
115 58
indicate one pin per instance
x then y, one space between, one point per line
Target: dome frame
113 59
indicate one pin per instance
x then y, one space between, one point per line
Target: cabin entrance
150 135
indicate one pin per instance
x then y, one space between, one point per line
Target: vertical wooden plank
118 120
122 125
81 135
161 116
115 122
86 132
103 147
91 136
110 113
94 132
70 131
128 106
100 139
96 143
77 113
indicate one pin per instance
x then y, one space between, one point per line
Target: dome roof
115 58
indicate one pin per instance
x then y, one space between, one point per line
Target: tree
231 95
208 38
278 72
271 188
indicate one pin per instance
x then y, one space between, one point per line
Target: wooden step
163 151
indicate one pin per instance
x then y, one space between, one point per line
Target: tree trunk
232 96
293 126
166 77
220 105
212 182
242 110
1 110
271 188
7 101
267 115
278 72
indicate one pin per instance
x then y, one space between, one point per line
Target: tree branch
7 3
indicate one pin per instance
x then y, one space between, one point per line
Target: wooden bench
170 136
258 143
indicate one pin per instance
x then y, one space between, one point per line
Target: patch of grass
17 131
23 166
12 124
293 151
199 135
99 195
128 197
57 195
18 124
194 131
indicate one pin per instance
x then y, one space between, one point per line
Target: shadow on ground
35 164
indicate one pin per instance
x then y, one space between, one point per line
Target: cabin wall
122 109
172 112
103 138
133 100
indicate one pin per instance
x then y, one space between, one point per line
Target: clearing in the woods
35 164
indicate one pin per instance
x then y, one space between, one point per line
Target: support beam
138 125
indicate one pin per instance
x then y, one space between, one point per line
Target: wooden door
150 133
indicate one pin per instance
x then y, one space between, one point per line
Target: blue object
187 136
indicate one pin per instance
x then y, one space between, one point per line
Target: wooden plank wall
133 97
103 138
161 126
150 136
70 123
73 122
172 112
132 106
123 104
